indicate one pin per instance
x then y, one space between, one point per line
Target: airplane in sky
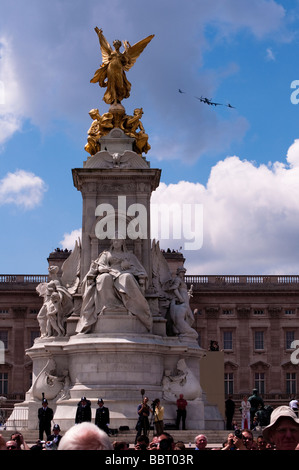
209 101
203 100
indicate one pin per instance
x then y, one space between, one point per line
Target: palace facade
254 320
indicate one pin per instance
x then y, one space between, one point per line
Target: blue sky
241 165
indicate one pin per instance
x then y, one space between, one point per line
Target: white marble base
114 367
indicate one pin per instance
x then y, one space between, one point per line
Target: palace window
291 383
34 311
259 382
3 383
289 311
228 383
289 338
258 311
227 311
258 340
228 340
4 338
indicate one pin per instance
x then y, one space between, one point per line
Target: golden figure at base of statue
102 125
130 126
111 74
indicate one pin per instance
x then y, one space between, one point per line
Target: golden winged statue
111 74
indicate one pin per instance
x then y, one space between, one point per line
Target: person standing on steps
181 412
83 412
102 418
45 416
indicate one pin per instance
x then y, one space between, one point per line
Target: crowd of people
282 432
253 411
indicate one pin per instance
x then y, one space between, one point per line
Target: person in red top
181 412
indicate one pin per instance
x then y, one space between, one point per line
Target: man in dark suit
83 411
102 418
45 416
229 412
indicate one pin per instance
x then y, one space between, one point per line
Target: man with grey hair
201 442
283 430
85 436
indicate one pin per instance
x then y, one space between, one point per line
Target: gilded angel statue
111 74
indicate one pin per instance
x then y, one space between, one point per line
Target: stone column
119 181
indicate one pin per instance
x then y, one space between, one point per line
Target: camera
154 404
238 433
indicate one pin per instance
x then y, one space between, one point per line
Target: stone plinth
114 367
120 188
116 141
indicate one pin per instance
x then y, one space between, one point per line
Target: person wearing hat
83 412
45 416
55 437
102 418
283 430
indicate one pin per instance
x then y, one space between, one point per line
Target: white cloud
260 17
9 124
293 154
69 239
11 102
251 217
22 188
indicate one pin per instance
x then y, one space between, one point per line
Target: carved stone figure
174 293
180 311
111 74
183 382
116 280
47 383
65 392
58 295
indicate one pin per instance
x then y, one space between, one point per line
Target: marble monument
116 323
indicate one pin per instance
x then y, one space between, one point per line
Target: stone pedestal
115 180
114 367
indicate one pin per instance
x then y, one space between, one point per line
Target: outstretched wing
71 269
133 52
160 269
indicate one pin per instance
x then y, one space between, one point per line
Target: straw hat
279 412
